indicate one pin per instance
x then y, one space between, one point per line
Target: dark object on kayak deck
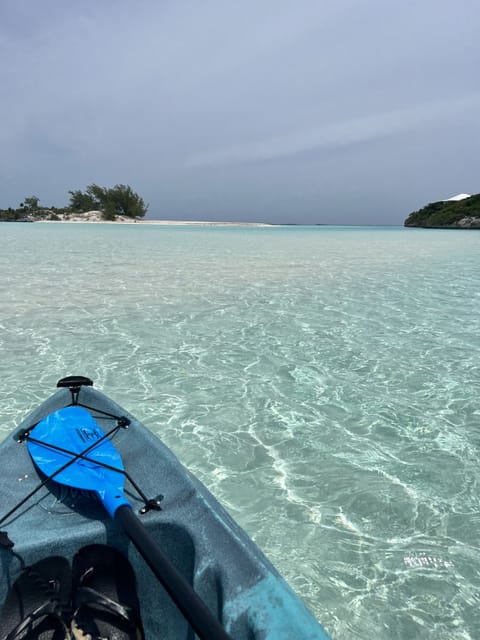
104 597
38 602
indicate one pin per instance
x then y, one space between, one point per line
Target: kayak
123 487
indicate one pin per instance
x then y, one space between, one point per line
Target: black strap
48 608
93 599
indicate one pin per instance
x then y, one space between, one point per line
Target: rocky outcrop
469 222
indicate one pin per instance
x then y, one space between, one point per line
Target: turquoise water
322 381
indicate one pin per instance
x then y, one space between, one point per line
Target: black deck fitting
152 505
75 383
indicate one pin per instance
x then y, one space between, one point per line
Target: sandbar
96 217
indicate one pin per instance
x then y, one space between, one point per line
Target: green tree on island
81 202
119 200
30 204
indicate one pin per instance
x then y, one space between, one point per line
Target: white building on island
460 196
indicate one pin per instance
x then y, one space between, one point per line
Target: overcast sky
306 111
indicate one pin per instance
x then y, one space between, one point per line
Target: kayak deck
226 569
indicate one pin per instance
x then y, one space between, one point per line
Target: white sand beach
96 217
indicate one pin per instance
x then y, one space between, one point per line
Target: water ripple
322 382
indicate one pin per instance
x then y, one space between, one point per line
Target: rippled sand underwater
323 382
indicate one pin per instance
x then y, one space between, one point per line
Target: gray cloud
342 111
337 134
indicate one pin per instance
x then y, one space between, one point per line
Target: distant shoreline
198 223
95 217
53 216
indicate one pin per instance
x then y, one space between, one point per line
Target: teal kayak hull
225 568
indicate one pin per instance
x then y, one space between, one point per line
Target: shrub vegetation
120 200
445 213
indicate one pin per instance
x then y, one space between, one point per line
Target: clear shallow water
323 382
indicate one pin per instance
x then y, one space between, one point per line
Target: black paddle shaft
200 618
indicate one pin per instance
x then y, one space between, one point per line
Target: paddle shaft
202 621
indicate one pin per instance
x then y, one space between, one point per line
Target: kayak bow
82 442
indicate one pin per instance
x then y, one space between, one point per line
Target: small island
96 203
459 212
119 204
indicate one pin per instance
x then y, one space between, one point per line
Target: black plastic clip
123 422
152 505
22 435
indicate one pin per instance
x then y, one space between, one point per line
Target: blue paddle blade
74 430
